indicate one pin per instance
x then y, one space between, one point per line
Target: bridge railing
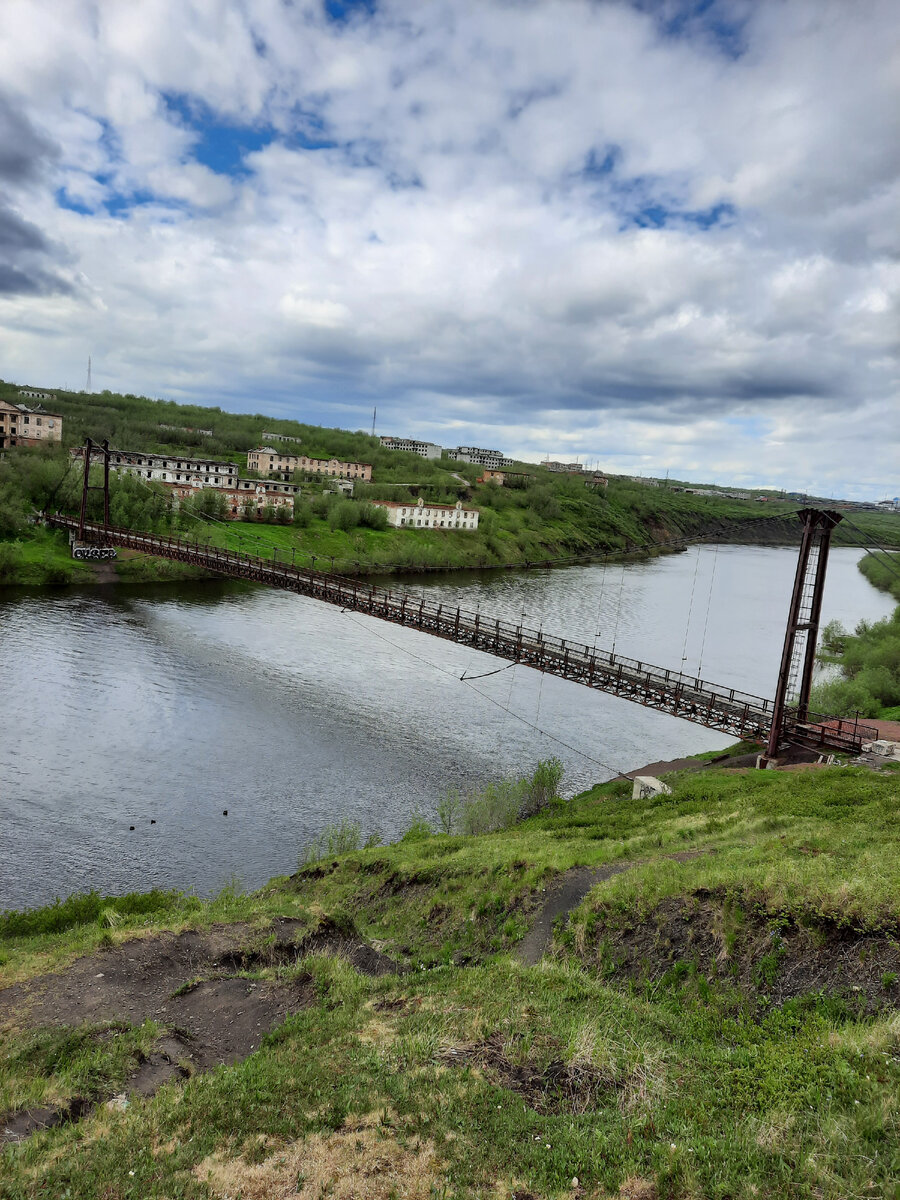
531 646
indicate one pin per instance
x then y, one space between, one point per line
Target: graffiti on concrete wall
93 553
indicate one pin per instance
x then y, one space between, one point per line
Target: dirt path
566 892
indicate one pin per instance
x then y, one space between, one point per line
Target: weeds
344 837
501 805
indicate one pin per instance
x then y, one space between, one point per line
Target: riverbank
41 557
712 1011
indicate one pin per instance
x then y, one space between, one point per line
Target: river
160 707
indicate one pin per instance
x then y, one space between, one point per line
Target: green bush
341 838
543 787
495 807
83 909
344 515
10 559
303 514
373 517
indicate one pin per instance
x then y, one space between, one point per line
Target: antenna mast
88 384
374 411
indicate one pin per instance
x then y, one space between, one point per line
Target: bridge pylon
798 655
87 486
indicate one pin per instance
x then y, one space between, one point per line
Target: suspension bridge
785 719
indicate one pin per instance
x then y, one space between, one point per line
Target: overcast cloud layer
656 235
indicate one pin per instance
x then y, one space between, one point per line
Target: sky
658 235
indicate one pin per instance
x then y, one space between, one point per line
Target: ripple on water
173 704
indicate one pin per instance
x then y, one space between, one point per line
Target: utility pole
88 384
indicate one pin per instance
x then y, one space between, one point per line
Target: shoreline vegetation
547 517
692 994
868 660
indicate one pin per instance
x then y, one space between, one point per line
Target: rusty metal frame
817 527
102 448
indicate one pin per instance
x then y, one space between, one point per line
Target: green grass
475 1076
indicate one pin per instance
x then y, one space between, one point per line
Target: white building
423 449
561 467
420 515
481 458
163 468
280 437
31 394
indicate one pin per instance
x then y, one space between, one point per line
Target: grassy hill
705 1005
548 517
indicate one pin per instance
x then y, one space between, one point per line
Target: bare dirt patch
361 1161
770 957
21 1125
186 982
552 1087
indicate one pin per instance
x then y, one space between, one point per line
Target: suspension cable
712 578
687 625
891 557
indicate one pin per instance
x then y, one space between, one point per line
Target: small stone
574 1181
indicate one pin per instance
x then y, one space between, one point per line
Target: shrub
501 805
543 787
10 558
372 516
83 909
341 838
496 807
418 830
344 515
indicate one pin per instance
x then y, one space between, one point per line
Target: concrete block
649 785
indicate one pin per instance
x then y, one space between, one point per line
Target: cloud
26 254
663 233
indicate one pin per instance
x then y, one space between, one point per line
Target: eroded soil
186 982
769 958
552 1086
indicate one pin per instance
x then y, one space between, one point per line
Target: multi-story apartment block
481 458
249 498
24 425
561 467
41 397
266 460
280 437
164 468
423 449
420 515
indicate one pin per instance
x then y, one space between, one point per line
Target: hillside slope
716 1016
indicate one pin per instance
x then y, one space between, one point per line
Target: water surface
174 703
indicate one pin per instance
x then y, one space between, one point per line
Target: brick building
266 460
28 425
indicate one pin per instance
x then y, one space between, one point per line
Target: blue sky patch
221 145
711 21
342 11
64 200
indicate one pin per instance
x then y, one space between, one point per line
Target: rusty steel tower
798 656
